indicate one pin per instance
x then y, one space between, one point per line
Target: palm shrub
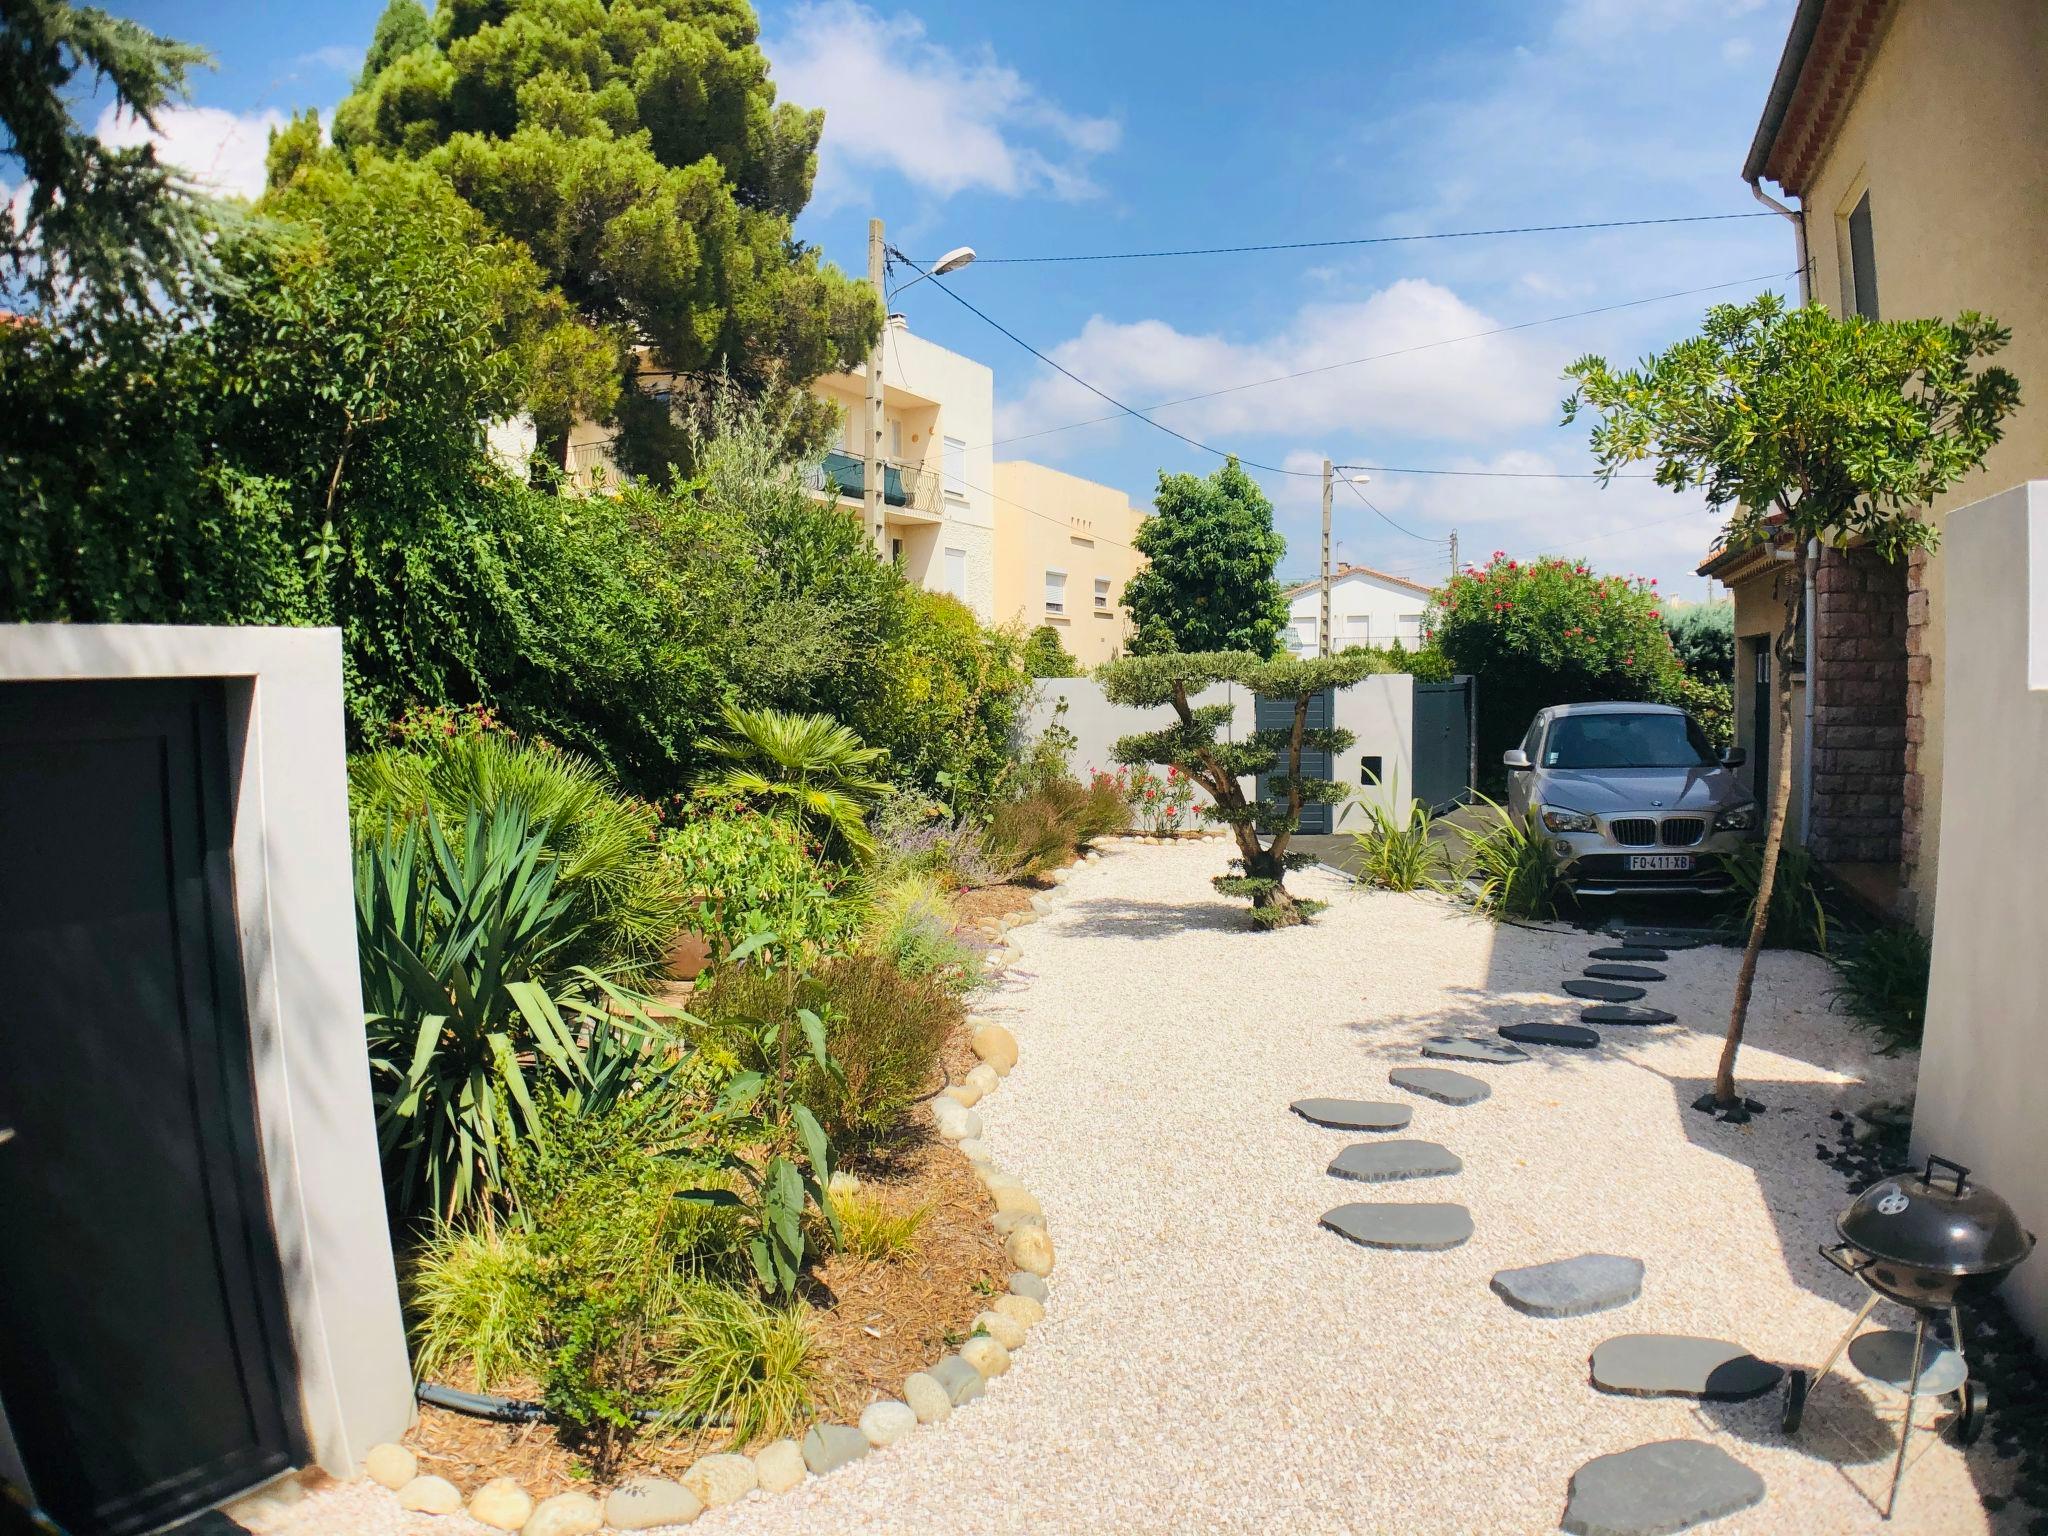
1508 867
1883 986
807 770
473 1004
623 895
1397 853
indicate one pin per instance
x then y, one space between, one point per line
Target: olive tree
1192 744
1802 427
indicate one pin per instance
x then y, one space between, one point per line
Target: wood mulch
982 906
874 1322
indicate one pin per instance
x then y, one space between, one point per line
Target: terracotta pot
688 954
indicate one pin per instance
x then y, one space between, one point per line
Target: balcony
912 491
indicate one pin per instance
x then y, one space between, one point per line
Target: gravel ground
1213 1361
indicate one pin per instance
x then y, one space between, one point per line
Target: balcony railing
842 474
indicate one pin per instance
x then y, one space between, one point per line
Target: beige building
1912 136
938 466
1064 549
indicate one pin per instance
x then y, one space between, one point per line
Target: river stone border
929 1396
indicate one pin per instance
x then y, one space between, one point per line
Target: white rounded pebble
1023 1309
984 1077
974 1149
501 1504
956 1122
431 1496
986 1355
646 1503
927 1399
1006 1222
721 1479
566 1514
779 1466
996 1046
886 1422
966 1095
1005 1330
392 1465
1020 1201
993 1179
1033 1286
1030 1249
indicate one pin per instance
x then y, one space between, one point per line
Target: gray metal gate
1278 715
1443 742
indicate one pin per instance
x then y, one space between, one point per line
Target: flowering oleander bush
1550 631
1160 803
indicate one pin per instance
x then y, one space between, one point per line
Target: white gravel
1211 1360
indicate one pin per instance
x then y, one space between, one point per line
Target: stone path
1441 1084
1472 1048
1353 1114
1653 1490
1385 1162
1593 1282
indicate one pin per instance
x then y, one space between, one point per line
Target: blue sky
1064 128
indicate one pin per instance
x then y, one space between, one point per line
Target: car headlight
1558 819
1737 818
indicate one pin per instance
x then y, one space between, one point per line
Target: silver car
1632 798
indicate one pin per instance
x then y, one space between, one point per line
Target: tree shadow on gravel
1104 917
1479 1015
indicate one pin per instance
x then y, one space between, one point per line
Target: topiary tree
1551 631
1208 586
1192 745
1802 427
1045 656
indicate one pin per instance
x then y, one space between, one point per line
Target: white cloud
1470 390
223 150
341 58
896 101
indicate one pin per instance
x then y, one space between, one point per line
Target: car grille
1633 831
1683 831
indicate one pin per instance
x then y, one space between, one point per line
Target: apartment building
1064 549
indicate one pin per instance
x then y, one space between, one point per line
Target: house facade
1367 607
1909 143
938 465
1064 549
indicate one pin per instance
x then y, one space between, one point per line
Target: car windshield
1626 741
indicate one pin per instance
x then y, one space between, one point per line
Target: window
1055 591
956 467
1101 592
1626 741
1358 629
896 441
1860 279
956 573
896 551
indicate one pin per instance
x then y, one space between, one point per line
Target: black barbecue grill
1931 1247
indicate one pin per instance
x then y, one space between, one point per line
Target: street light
1352 478
952 261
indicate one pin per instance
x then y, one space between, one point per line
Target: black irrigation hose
518 1410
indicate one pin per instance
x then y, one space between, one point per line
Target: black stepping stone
1604 991
1621 1013
1383 1162
1551 1034
1606 972
1672 1365
1353 1114
1438 1083
1418 1228
1593 1282
1664 938
1658 1489
1630 952
1471 1048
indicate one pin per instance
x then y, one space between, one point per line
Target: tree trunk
1725 1095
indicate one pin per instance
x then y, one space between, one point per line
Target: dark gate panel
144 1362
1443 741
1278 715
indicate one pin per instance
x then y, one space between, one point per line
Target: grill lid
1956 1228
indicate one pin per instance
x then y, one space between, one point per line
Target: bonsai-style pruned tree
1192 745
1802 427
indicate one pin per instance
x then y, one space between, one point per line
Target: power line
1359 491
1324 245
1446 341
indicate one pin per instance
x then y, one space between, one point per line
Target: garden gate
1443 742
1278 715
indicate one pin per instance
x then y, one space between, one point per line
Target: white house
1367 607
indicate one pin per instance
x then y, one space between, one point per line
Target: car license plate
1674 863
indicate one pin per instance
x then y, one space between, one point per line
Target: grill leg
1906 1428
1855 1325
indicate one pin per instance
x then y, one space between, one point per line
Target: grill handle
1961 1173
1835 1254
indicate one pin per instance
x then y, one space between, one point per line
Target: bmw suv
1632 798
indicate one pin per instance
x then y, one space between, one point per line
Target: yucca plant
1396 853
807 769
1508 864
465 992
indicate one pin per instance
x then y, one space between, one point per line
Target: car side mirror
1515 757
1733 757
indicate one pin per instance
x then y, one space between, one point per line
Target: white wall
1380 712
1982 1100
1385 611
295 900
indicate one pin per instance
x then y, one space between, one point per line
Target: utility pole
1454 552
871 472
1323 627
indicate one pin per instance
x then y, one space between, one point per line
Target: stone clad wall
1860 700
